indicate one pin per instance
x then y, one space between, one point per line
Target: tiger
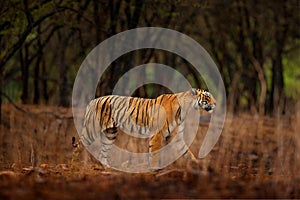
155 118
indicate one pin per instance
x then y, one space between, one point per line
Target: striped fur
154 118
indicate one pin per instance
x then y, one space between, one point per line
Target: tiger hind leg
107 139
155 143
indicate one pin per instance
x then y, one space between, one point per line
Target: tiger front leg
107 139
155 144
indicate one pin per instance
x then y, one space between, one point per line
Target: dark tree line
43 44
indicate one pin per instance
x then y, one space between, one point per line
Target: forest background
255 45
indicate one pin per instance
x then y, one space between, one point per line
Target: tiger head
204 100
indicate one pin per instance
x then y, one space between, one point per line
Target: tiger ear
193 91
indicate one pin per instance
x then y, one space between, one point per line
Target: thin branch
31 113
12 102
23 37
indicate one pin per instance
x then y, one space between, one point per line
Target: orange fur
156 118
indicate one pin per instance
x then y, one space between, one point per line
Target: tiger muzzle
210 108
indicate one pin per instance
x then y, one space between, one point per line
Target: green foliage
292 75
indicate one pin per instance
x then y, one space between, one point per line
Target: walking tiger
154 118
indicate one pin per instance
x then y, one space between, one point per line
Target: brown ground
256 157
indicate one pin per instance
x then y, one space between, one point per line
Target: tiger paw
104 163
154 169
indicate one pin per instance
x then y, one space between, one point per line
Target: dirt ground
255 157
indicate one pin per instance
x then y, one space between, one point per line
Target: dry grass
256 157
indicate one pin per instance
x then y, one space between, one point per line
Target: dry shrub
37 135
256 156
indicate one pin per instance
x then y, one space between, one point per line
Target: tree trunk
36 92
25 74
277 84
63 100
249 76
263 84
233 95
1 82
277 94
44 83
257 61
63 88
